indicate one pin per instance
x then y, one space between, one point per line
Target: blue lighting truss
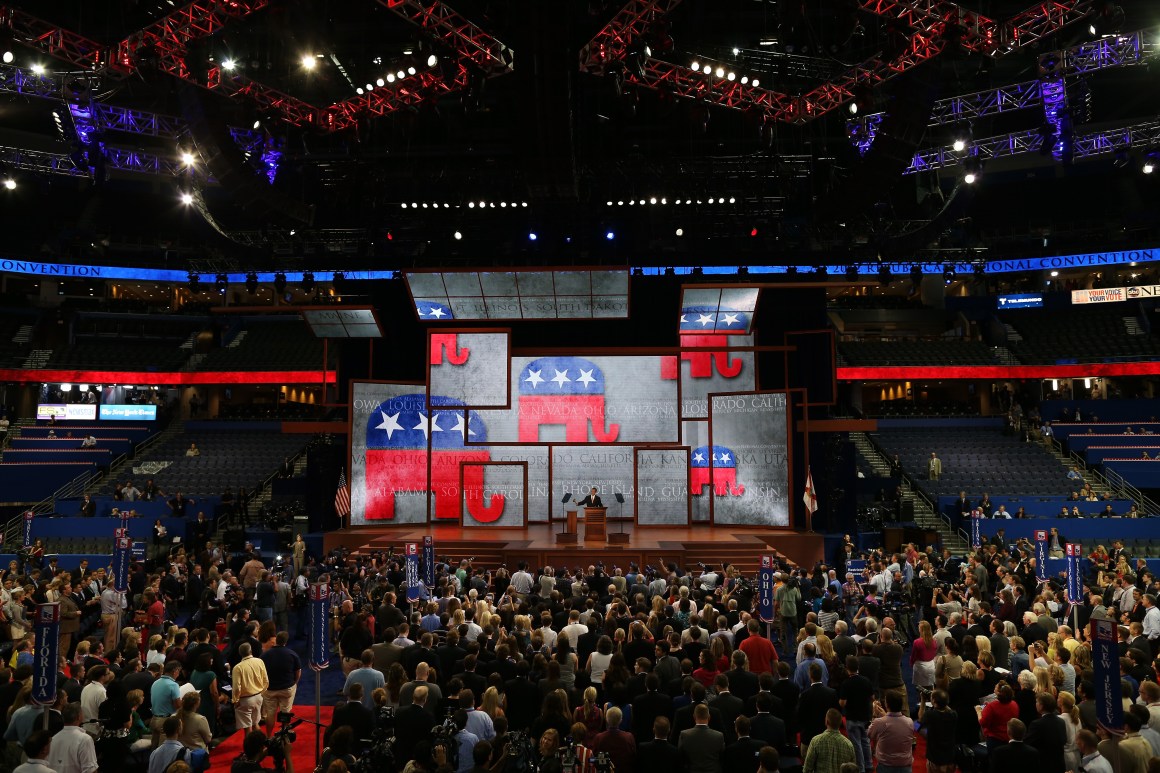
1018 143
1113 51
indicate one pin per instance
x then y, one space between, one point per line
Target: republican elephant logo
445 346
397 435
567 391
707 328
714 466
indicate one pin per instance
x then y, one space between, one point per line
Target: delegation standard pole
317 717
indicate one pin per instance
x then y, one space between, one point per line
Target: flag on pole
810 497
342 496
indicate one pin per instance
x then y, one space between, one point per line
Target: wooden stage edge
536 544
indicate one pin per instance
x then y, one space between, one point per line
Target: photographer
254 749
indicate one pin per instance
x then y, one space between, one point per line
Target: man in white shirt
73 750
1151 621
521 581
574 629
37 750
93 695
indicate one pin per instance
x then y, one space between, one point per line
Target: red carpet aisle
302 751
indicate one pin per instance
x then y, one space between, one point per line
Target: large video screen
470 367
746 466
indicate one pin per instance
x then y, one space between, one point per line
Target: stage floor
536 544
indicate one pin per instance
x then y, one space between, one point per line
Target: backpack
197 759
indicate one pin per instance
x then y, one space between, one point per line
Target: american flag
342 496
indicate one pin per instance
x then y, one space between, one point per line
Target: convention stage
537 544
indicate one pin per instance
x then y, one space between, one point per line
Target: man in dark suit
473 681
701 746
354 714
728 704
741 755
635 685
1032 630
812 706
658 755
766 726
742 681
449 653
413 723
788 693
523 698
646 708
685 717
1048 734
592 500
1017 755
423 652
765 683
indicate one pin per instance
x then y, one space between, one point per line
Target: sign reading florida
397 434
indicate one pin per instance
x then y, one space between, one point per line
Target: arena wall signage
1020 301
67 412
1115 294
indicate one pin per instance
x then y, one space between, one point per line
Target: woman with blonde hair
589 712
982 643
1081 661
492 703
1043 680
1070 714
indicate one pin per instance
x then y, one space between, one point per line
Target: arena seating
118 354
30 482
269 344
906 407
1033 506
231 455
976 460
949 353
1091 335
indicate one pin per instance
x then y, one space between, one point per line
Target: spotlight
970 178
972 170
187 158
251 283
309 62
753 231
8 57
38 69
256 125
370 87
360 91
961 137
1148 168
731 76
610 235
959 145
380 83
756 83
280 283
308 281
9 184
680 232
221 281
411 70
432 60
400 75
229 65
744 79
532 236
695 66
719 72
458 235
187 199
862 99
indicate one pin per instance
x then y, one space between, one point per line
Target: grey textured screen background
410 507
753 427
693 435
695 391
480 381
576 469
662 486
538 489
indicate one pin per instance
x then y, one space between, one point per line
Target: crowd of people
605 669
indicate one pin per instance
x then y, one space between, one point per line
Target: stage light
621 203
411 70
360 91
720 72
753 231
309 62
370 87
653 200
380 83
972 170
524 204
221 281
403 205
609 235
959 146
458 235
432 60
736 51
425 205
961 137
1055 273
9 184
756 83
1149 167
731 76
695 67
680 232
251 283
503 205
8 57
532 236
664 201
853 108
970 177
38 69
187 199
229 65
256 125
732 200
744 79
308 281
187 158
471 205
400 75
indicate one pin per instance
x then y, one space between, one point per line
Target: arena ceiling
389 127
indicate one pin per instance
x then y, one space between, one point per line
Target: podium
595 521
569 535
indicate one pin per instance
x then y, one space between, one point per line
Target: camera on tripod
603 762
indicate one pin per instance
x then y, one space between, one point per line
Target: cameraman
254 751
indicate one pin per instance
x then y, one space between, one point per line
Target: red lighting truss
980 33
467 40
611 44
59 43
170 36
1041 20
